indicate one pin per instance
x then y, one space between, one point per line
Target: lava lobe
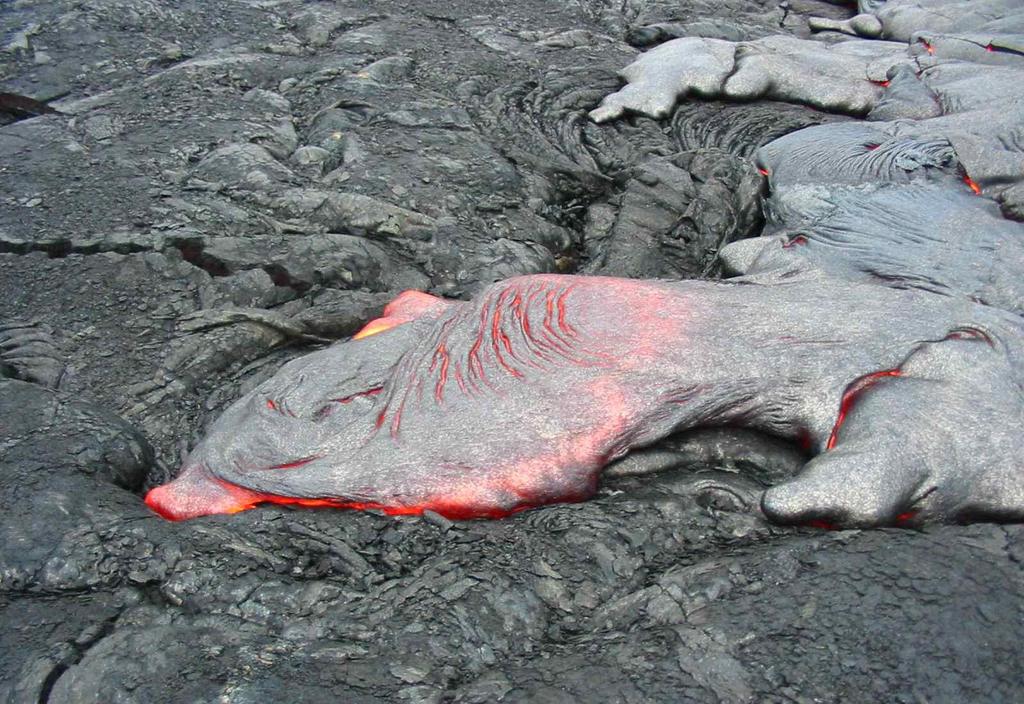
521 396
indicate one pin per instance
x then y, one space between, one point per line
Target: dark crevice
280 276
81 648
14 107
192 251
63 247
567 207
51 679
1003 50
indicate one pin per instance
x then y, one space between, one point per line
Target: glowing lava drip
242 499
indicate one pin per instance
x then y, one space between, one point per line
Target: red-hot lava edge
196 493
245 499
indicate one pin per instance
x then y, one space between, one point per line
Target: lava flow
521 396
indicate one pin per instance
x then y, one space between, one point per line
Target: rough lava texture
194 195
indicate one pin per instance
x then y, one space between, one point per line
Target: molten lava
521 396
408 306
853 391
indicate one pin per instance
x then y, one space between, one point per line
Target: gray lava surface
216 188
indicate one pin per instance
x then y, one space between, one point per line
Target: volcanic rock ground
302 162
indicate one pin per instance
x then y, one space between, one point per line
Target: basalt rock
29 352
173 288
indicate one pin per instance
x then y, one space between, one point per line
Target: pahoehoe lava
780 286
520 397
546 379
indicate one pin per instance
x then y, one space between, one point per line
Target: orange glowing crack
563 324
396 420
375 326
523 319
474 365
279 407
971 334
534 344
972 184
296 463
557 342
862 384
359 394
459 380
499 338
443 378
850 395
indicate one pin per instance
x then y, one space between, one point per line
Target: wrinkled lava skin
521 396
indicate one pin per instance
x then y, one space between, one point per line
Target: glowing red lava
855 389
408 306
375 326
200 494
972 184
359 394
295 463
822 524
